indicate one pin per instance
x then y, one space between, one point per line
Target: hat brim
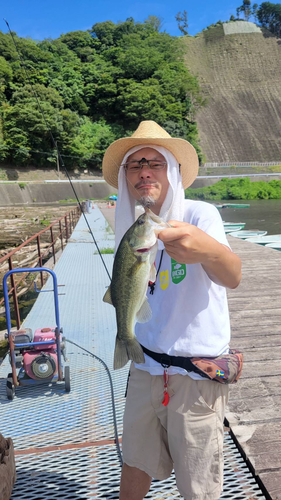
182 150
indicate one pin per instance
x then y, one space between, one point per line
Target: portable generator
35 358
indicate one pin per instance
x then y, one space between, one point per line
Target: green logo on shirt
178 271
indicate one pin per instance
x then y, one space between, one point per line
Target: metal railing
59 230
241 164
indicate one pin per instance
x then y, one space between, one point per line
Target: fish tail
135 351
120 354
124 351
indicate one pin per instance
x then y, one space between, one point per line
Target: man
174 418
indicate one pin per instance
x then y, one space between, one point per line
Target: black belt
166 361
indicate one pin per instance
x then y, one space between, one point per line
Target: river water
263 215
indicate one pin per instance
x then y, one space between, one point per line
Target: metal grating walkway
65 442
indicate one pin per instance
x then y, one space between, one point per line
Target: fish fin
135 351
121 357
152 275
145 313
107 296
125 351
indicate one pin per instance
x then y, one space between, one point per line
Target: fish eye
141 221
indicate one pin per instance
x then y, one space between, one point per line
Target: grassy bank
237 189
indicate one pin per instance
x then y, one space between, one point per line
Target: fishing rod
90 230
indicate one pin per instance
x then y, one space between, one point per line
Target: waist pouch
225 369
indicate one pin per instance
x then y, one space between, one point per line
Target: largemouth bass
133 268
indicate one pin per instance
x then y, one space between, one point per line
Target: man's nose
145 171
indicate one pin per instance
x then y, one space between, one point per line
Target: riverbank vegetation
237 189
94 87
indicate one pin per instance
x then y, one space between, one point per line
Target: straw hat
149 132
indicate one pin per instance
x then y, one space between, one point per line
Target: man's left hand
187 244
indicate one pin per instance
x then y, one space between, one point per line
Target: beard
147 201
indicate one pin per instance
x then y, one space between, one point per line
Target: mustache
143 183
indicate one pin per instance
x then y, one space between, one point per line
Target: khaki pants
186 435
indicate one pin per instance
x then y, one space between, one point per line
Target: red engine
42 362
43 335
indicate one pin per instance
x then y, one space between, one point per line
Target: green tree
155 22
91 141
26 126
237 189
7 48
82 43
75 40
269 15
6 72
181 19
28 93
93 87
104 33
255 11
70 85
6 77
246 9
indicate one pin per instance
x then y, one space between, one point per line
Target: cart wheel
67 378
10 388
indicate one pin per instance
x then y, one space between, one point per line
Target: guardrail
60 229
241 164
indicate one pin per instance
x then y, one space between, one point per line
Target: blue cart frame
14 379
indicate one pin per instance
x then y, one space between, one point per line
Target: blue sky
41 19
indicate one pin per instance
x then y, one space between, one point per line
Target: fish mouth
155 221
153 218
145 249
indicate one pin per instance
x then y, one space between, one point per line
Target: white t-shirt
189 311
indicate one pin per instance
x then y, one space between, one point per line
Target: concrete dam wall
51 192
12 194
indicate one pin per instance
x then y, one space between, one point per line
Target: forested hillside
96 86
93 87
240 75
